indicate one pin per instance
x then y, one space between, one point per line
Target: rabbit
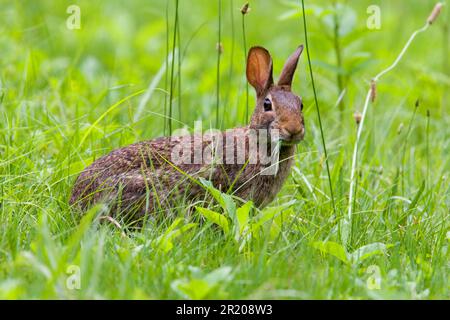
141 179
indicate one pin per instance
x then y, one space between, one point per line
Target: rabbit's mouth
290 142
292 139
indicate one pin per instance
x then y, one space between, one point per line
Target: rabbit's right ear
259 69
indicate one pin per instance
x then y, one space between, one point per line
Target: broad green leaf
200 286
195 289
215 217
225 200
164 245
332 248
174 224
270 213
229 205
165 241
242 215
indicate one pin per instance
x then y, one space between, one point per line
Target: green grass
59 110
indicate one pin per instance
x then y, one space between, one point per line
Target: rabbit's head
277 108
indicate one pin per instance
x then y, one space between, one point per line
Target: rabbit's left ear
289 68
259 69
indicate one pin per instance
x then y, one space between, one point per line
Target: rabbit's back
136 176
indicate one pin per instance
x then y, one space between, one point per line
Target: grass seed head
373 90
245 8
435 13
357 116
219 47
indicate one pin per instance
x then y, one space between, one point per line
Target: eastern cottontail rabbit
144 178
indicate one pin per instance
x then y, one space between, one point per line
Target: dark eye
301 106
267 104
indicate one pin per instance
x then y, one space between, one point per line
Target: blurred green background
121 46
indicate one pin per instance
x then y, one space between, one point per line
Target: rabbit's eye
301 106
267 104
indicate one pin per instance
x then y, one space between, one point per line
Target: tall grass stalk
446 52
219 53
151 88
405 143
338 53
230 70
174 44
428 149
316 102
371 94
245 9
179 69
166 79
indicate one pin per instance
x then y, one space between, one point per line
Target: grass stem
428 148
338 53
370 94
219 53
166 79
318 109
230 70
174 43
446 53
244 43
405 143
179 67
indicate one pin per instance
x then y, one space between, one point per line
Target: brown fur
140 178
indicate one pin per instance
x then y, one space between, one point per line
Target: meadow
75 86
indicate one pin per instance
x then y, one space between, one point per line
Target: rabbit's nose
294 128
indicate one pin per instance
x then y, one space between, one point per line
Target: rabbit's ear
289 68
259 69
